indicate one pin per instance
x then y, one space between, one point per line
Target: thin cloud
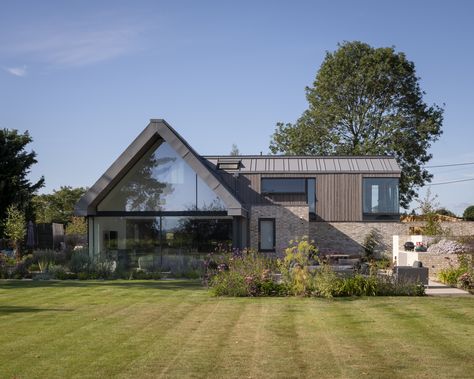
16 71
74 46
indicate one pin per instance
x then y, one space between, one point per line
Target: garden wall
348 237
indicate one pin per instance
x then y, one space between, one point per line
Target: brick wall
335 237
290 223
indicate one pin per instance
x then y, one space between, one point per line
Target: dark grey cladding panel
314 164
155 130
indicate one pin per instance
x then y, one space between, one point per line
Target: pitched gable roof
155 130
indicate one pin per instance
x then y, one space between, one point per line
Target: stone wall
348 237
291 222
437 262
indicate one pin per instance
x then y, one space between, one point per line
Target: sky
85 77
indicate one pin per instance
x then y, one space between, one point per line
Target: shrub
326 282
358 285
44 258
468 214
294 267
20 271
371 240
80 261
242 273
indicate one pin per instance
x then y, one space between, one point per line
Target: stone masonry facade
291 222
437 262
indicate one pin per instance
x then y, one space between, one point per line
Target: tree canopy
366 101
15 163
58 206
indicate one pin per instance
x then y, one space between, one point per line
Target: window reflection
161 181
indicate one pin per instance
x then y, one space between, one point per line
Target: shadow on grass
8 309
180 284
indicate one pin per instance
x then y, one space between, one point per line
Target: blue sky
85 77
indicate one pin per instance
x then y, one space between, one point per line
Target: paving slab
440 289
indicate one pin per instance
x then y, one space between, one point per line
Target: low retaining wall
348 237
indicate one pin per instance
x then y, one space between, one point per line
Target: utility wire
451 165
452 181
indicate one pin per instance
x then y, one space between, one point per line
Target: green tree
366 101
428 206
15 228
75 231
468 214
58 206
15 164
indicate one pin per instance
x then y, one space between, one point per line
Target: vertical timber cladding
338 196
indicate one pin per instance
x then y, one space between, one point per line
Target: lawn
130 329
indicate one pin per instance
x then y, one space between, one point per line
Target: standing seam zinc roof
305 164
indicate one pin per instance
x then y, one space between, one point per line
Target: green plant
358 285
371 241
80 261
44 258
294 266
15 228
241 273
326 282
468 214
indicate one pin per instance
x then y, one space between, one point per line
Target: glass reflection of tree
204 234
143 191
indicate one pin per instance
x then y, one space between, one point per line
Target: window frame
380 216
283 193
272 250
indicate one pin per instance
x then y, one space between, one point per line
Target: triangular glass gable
161 181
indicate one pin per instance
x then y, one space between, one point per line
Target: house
161 197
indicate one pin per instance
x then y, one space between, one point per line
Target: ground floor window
137 242
266 231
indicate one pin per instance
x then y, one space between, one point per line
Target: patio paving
440 289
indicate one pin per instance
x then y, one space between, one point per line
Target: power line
451 165
452 181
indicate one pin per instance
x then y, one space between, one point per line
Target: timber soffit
156 129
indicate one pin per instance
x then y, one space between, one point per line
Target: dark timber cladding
338 181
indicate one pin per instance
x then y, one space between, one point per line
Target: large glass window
161 181
381 200
266 228
283 185
136 241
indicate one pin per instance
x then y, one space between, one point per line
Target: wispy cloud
72 45
16 71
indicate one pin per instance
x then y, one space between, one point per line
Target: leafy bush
45 258
450 275
80 261
371 240
20 271
326 282
242 273
461 276
468 214
294 267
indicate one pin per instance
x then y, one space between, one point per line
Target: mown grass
176 329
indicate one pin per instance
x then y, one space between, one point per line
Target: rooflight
228 164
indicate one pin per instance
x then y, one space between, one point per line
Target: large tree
15 163
366 101
58 206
